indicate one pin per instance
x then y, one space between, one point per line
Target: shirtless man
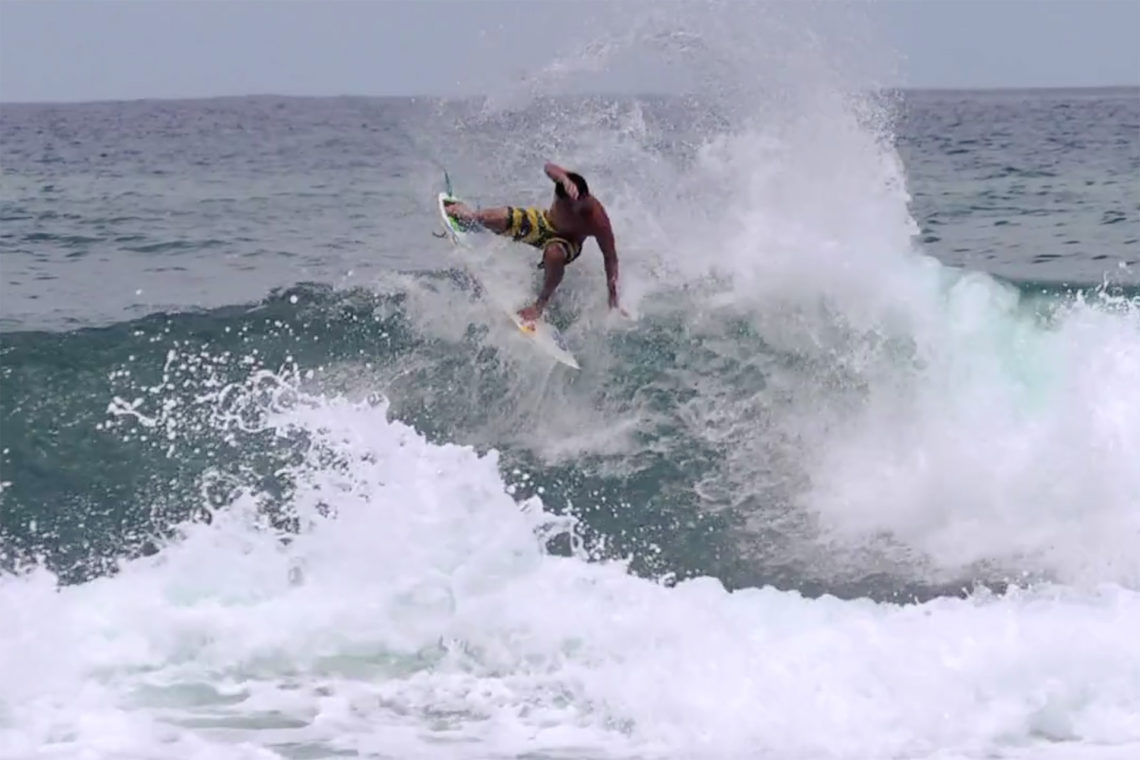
559 233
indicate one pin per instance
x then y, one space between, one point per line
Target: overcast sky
66 50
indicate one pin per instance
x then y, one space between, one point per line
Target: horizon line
429 96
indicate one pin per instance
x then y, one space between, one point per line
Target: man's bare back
559 232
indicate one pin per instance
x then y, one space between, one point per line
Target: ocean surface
859 479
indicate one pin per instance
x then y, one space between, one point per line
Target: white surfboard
541 332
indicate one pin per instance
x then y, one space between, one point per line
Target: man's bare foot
458 210
530 314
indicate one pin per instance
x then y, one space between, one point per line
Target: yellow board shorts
532 226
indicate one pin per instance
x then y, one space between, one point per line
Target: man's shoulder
598 216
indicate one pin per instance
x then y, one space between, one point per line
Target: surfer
559 232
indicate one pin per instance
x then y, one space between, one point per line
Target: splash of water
876 410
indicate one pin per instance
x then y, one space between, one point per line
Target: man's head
579 181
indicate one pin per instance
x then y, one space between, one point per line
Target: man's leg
553 265
494 219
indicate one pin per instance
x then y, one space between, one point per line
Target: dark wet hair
577 179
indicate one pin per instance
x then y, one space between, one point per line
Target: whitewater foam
417 614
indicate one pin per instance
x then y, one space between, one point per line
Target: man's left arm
605 236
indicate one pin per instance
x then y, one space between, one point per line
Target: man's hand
558 174
530 313
614 305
